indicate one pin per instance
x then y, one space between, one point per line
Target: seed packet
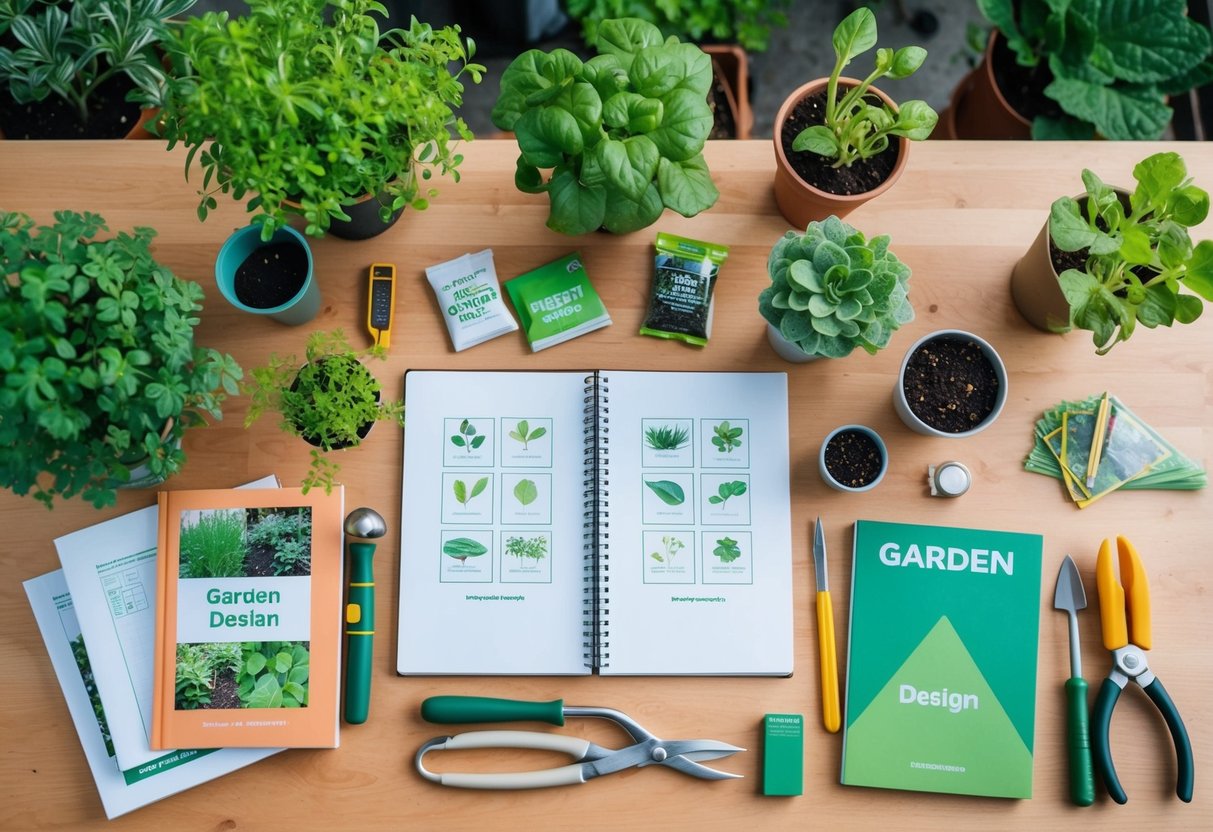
680 304
470 297
556 302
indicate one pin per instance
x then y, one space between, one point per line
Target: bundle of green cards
1131 455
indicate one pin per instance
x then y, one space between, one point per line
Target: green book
941 668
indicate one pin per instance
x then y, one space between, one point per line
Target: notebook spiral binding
596 591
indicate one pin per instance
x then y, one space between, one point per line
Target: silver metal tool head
365 523
820 569
1069 595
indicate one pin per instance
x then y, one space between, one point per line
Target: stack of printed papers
1134 454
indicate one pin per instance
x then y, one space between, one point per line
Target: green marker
360 613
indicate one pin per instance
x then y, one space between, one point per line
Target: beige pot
800 202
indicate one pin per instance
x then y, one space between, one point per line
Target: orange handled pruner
1128 639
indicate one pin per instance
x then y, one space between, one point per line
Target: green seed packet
684 276
556 302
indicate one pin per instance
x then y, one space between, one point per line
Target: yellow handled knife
831 713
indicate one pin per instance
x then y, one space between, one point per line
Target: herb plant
666 437
1137 261
672 547
288 535
833 290
523 434
98 367
329 399
1112 62
526 492
857 125
462 548
70 49
533 548
274 674
80 654
670 493
214 547
464 495
308 100
727 550
622 133
467 438
746 22
727 438
726 490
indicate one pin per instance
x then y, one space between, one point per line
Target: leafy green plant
727 550
672 546
213 547
833 290
1137 260
746 22
330 399
533 548
727 438
464 495
98 367
526 492
308 101
670 493
80 654
462 548
1110 63
521 433
726 490
858 125
198 669
622 133
467 437
70 49
288 535
666 437
274 674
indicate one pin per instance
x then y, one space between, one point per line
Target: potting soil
862 176
853 458
950 384
271 275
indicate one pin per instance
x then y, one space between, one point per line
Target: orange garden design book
248 619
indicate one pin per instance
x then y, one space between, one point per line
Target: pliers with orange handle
1130 592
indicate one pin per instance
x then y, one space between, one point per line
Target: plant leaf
461 493
479 486
526 492
687 186
536 433
477 441
463 547
458 442
855 35
670 493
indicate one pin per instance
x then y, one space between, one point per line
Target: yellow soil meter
380 301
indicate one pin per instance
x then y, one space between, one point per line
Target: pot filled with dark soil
951 384
110 115
271 278
998 99
729 96
807 187
853 458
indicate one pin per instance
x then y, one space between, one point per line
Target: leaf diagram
520 433
467 436
462 548
463 495
726 490
727 438
727 550
670 492
526 492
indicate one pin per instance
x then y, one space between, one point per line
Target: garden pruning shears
1130 592
592 760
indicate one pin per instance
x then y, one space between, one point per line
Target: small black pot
364 220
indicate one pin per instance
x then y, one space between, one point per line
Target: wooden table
960 217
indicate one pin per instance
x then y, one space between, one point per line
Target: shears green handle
1109 692
1078 734
458 710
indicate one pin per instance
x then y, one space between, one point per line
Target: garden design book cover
248 619
941 669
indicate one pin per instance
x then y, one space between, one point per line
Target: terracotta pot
138 131
800 202
978 110
731 65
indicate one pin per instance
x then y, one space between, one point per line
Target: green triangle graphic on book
937 726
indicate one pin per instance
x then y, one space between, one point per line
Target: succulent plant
833 290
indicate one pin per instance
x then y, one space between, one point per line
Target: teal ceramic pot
301 308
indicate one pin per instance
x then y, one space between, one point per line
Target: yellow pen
1098 440
831 713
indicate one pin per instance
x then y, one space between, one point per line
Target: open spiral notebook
562 522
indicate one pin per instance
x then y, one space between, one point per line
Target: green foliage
90 686
535 548
672 547
727 550
622 133
520 433
71 49
98 366
321 112
726 490
462 548
467 438
833 290
198 668
288 534
666 437
1112 61
670 493
214 546
464 495
858 125
746 22
727 438
325 399
273 674
526 492
1138 262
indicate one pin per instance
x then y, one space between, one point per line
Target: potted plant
101 375
1109 260
330 399
1073 70
271 278
833 290
833 136
84 70
330 119
951 384
853 458
622 133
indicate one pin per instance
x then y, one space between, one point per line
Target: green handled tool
360 613
1071 597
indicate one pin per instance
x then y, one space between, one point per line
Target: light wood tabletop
961 216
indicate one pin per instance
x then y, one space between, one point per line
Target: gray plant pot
902 406
787 350
825 473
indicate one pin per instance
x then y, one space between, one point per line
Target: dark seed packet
680 305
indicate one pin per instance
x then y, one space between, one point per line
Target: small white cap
949 479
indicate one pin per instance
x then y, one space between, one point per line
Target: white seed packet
470 297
